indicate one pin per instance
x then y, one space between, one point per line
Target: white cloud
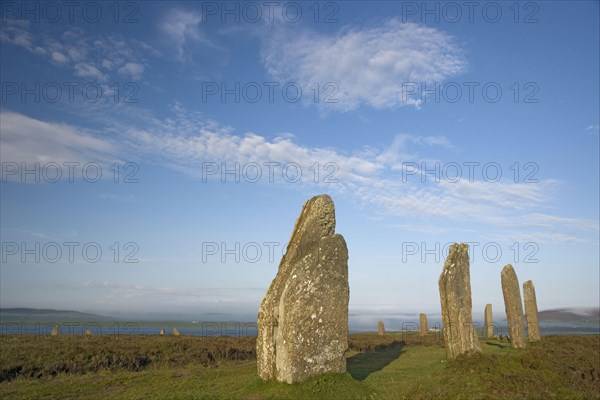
59 57
508 195
28 140
132 70
592 129
369 176
107 64
89 56
16 32
370 66
86 70
182 27
398 152
546 220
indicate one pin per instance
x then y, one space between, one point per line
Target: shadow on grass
502 346
361 365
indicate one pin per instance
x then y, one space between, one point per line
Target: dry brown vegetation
42 356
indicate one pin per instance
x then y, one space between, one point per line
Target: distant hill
581 315
585 315
47 315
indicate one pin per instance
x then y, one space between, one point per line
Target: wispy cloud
187 142
29 140
132 70
16 32
174 295
182 28
369 65
430 229
85 70
117 197
592 129
545 220
550 236
36 235
368 175
101 57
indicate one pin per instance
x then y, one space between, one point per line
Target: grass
388 367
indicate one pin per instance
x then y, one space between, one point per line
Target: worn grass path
558 367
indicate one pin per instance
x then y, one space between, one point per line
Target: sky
155 155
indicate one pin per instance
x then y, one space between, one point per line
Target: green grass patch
558 367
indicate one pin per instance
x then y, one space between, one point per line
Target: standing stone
513 306
423 322
54 331
175 332
303 318
380 328
455 295
531 312
488 323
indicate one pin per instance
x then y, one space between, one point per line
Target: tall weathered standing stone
488 323
303 318
455 295
514 307
423 324
531 312
380 328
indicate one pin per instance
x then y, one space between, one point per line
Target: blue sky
165 100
